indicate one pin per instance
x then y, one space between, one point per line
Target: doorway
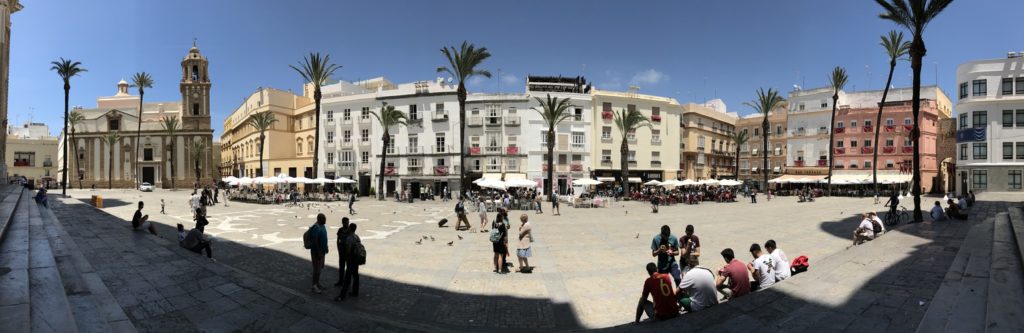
149 175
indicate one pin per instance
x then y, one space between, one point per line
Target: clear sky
692 50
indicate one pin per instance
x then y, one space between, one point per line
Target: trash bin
97 201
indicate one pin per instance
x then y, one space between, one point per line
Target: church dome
122 83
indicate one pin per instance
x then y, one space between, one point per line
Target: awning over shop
797 179
494 176
606 179
634 179
514 176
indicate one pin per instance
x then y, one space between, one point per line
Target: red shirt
739 277
659 286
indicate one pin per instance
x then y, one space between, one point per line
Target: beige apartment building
705 141
32 153
7 7
288 144
652 151
752 153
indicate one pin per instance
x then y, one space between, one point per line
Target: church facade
184 159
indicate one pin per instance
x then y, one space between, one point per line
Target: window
656 156
1020 85
867 164
778 129
414 162
195 109
840 125
298 123
578 140
364 157
853 123
906 121
414 143
630 107
365 113
346 136
1007 118
364 135
27 159
979 179
980 119
963 90
867 143
889 122
346 158
330 158
439 108
631 135
853 143
839 144
330 136
631 157
1007 150
439 142
700 142
655 135
980 150
413 112
963 151
1014 179
889 143
390 146
439 162
889 164
867 123
578 114
963 120
346 115
606 155
330 115
980 87
1020 116
1020 150
114 125
907 142
606 133
824 103
298 147
606 107
802 107
1007 86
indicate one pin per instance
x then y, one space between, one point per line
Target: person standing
482 209
353 253
554 205
318 249
753 196
665 246
499 243
689 247
201 221
342 243
216 193
162 207
460 212
351 202
525 240
537 202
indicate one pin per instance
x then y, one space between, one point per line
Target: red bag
800 265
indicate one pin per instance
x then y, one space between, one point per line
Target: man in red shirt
661 289
735 271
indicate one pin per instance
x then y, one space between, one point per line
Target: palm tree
554 111
740 139
197 149
170 125
462 65
387 118
837 81
915 16
627 121
111 139
141 80
262 122
66 69
766 102
316 70
896 48
73 120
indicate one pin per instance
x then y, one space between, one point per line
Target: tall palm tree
66 69
837 81
140 80
766 102
73 120
196 149
627 120
915 16
111 139
170 125
896 48
553 111
462 65
261 122
740 139
316 70
387 118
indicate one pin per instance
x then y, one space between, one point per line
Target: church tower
195 91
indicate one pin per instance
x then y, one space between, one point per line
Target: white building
990 135
810 113
29 130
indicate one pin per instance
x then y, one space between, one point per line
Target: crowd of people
670 289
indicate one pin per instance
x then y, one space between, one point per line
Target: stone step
94 308
944 302
48 303
1017 226
9 197
1006 280
14 277
971 307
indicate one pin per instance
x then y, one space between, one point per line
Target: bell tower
195 91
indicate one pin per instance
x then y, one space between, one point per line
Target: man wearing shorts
141 222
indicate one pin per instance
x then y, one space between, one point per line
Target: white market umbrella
321 180
229 179
244 181
521 183
492 183
709 182
267 180
343 180
585 182
730 182
303 180
688 182
652 182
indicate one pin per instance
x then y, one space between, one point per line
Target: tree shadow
107 203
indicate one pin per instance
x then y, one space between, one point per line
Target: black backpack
876 227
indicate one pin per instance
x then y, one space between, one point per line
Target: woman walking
482 209
525 239
499 242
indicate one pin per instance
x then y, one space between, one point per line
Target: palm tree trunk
878 125
551 161
110 169
917 52
461 93
262 141
316 136
831 143
383 158
737 171
172 163
764 145
64 176
138 135
78 162
624 168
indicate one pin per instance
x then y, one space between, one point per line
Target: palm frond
66 68
316 69
142 80
837 80
463 62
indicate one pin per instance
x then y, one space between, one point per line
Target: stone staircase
983 291
46 285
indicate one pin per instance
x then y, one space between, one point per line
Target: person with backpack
499 242
315 239
876 224
355 255
342 243
865 231
460 211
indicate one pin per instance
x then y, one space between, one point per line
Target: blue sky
693 50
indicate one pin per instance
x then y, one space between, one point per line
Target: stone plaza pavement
589 264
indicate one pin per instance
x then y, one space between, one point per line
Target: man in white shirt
782 271
865 231
874 217
762 268
937 213
699 285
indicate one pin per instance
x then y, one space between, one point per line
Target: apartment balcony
413 150
631 139
441 170
414 170
390 150
824 131
511 168
474 121
632 163
345 144
493 149
492 121
512 121
346 121
607 139
365 120
799 163
577 148
493 167
441 149
655 164
439 116
417 121
656 141
474 151
606 163
867 150
576 167
889 150
346 165
607 115
512 150
364 167
558 167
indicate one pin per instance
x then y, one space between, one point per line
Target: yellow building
652 151
33 158
288 143
705 141
752 153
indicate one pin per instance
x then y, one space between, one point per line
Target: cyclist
893 203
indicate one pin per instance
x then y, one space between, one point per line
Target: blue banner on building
970 134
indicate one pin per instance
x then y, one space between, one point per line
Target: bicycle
901 215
